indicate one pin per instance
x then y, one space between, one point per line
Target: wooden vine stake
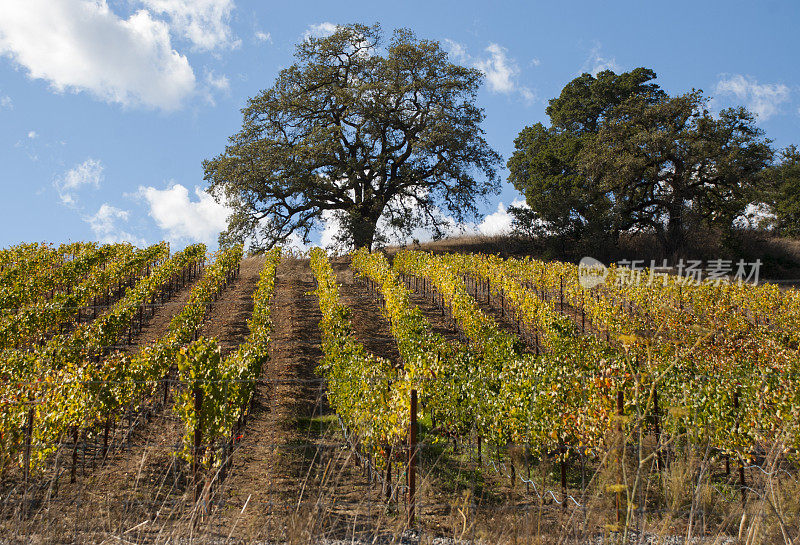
105 435
412 459
563 452
583 314
619 488
741 463
166 386
741 468
75 437
28 436
659 456
198 438
388 491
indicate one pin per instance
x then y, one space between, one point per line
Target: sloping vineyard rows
735 308
567 396
36 382
216 392
55 277
561 396
123 381
489 386
89 395
455 382
35 324
367 392
664 309
97 396
714 364
25 260
738 393
437 368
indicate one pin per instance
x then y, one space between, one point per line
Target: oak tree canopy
621 155
361 131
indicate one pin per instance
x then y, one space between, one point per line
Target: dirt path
292 475
141 493
370 325
265 469
156 326
227 321
99 502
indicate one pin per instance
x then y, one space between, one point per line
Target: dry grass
319 492
780 256
505 245
294 478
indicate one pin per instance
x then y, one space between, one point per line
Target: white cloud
264 36
6 103
32 134
331 230
319 30
535 61
81 45
203 22
501 71
762 99
596 63
88 173
104 224
295 243
497 223
220 83
528 95
215 84
756 215
457 51
183 219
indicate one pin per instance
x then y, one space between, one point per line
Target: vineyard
149 396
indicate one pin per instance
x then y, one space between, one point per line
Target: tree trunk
363 226
675 237
363 239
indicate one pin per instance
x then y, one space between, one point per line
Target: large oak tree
360 131
546 166
672 165
621 155
783 182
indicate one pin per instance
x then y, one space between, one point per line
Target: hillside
295 472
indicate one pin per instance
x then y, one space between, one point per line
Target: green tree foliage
621 155
359 132
671 165
783 180
545 164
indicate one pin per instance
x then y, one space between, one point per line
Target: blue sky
108 107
